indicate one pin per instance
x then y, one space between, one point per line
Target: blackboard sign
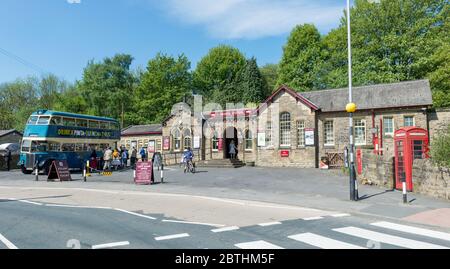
59 170
144 173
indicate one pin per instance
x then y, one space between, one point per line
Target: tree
217 71
440 148
251 86
18 100
49 89
108 86
166 82
301 55
270 75
71 100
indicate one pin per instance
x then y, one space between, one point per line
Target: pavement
215 208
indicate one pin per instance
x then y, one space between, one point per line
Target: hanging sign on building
166 143
196 142
309 137
151 146
261 139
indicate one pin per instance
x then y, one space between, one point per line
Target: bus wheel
25 171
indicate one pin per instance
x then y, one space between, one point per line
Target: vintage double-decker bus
52 135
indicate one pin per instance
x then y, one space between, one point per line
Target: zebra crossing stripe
413 230
388 239
322 242
257 245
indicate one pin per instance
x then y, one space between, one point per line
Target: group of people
118 158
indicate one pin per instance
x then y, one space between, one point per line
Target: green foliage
251 86
107 86
216 73
166 82
301 56
393 40
270 75
440 148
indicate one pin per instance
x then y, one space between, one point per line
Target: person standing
232 150
133 156
93 163
107 158
142 152
8 159
124 158
157 159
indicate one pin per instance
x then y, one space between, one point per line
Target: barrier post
162 172
405 196
36 170
84 172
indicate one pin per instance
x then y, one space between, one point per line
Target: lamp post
351 108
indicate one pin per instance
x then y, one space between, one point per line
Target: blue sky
60 37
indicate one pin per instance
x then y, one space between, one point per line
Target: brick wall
431 180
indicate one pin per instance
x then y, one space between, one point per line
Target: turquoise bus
52 135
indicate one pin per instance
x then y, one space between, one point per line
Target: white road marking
7 243
225 229
111 245
77 206
257 245
388 239
313 218
413 230
191 222
269 223
340 215
322 242
173 236
135 214
29 202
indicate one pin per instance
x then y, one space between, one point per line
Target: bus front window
26 145
32 120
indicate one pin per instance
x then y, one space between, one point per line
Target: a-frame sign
59 171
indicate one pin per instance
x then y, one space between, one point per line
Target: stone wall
377 170
439 121
431 180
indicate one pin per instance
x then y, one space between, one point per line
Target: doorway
229 136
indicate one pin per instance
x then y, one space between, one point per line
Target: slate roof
142 130
6 132
394 95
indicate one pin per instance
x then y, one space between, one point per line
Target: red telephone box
410 143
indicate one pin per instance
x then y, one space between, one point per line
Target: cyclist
188 156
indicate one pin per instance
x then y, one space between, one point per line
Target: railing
174 158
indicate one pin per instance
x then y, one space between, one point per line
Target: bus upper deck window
32 120
94 124
82 123
69 122
43 120
104 125
55 121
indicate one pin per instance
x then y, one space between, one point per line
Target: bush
440 149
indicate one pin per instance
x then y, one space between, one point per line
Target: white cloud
74 1
251 19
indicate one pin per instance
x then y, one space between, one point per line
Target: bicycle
189 167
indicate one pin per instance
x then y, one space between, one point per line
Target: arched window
176 134
187 138
285 129
215 142
248 140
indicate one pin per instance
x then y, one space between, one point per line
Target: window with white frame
301 133
269 134
328 132
215 142
187 138
176 134
285 129
360 132
408 121
248 140
388 125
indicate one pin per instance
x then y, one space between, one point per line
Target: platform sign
59 170
144 173
309 137
261 139
284 153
